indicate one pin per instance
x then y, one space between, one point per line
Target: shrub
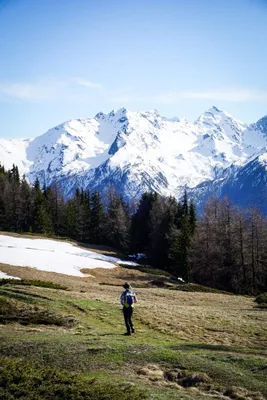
20 380
261 299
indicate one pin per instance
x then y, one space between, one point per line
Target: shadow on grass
109 334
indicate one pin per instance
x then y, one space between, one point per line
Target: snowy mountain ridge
139 151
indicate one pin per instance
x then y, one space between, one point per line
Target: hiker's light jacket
128 298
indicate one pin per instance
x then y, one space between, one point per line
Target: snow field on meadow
3 275
52 256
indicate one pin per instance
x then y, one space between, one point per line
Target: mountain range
143 151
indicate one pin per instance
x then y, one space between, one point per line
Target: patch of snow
3 275
138 256
134 264
51 255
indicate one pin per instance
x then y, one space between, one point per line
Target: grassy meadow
65 341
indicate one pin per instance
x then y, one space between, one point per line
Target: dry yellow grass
196 317
116 276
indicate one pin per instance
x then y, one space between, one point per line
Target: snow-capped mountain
141 151
245 186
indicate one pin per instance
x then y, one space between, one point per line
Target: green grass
16 306
20 380
93 360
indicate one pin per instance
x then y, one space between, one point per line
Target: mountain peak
211 114
215 115
216 110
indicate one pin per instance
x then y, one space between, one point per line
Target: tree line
229 248
224 248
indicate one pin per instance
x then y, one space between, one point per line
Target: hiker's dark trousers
127 313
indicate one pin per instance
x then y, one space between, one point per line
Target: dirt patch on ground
177 379
27 273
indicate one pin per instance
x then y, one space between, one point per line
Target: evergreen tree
185 204
179 215
141 223
97 219
42 222
86 204
192 217
25 206
162 221
181 238
70 220
117 222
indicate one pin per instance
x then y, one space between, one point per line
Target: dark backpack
129 299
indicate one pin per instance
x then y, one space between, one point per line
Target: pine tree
42 222
180 249
86 204
162 221
70 220
181 238
13 199
192 217
117 222
96 218
25 206
141 223
179 215
185 204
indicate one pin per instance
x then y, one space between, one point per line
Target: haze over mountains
143 151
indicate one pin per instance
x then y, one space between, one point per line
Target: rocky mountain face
143 151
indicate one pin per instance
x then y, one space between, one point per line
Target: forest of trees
225 248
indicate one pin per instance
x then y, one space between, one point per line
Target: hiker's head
127 285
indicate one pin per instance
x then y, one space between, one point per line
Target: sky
68 59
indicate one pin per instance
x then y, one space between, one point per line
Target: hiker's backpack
129 298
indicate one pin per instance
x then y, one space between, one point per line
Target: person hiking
127 299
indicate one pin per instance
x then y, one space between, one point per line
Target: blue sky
68 59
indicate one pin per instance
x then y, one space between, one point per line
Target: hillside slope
189 345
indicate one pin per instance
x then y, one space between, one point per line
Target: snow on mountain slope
153 153
14 152
70 148
138 151
245 185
